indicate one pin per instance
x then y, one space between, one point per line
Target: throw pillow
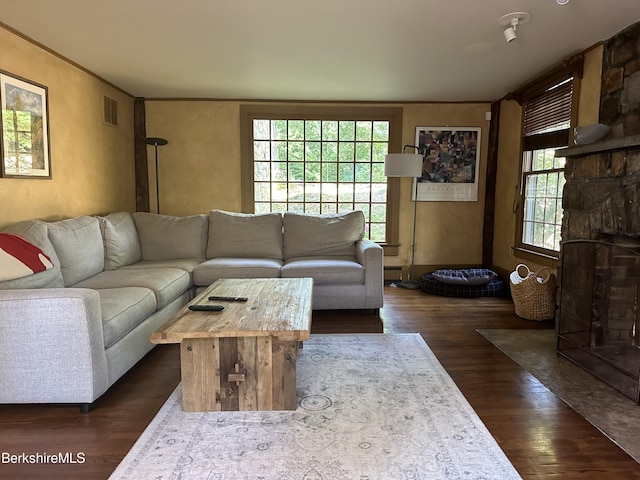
35 232
19 258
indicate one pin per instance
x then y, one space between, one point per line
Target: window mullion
304 172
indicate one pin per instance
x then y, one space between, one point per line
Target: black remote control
228 299
206 308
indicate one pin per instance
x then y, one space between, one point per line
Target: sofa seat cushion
227 267
344 270
123 309
166 283
186 264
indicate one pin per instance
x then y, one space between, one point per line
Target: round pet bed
466 283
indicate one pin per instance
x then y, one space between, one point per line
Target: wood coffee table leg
285 355
199 368
268 374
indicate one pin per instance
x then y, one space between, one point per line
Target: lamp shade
403 165
157 141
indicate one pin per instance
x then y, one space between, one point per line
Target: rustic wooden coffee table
243 357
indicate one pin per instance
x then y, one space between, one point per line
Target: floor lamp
155 141
407 165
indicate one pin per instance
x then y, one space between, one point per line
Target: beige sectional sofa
68 333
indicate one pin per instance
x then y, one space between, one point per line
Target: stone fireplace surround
599 272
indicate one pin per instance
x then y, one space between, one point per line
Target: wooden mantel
601 146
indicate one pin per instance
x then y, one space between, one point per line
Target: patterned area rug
369 407
604 407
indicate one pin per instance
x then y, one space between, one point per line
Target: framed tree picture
450 165
25 128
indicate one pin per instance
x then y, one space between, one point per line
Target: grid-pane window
543 185
547 119
322 166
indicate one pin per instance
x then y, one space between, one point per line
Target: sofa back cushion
121 245
166 237
244 235
322 235
35 232
78 243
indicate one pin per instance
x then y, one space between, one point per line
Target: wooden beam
140 155
490 189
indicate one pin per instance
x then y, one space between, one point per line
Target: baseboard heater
392 274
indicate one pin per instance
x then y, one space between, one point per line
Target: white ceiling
360 50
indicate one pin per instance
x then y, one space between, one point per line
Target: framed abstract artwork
450 165
25 128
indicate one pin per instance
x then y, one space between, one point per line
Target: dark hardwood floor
540 434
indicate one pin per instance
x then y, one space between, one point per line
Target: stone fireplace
599 272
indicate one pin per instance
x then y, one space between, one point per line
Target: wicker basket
533 293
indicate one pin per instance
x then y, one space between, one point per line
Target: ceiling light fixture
511 21
510 32
562 2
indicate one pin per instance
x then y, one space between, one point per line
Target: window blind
547 117
549 111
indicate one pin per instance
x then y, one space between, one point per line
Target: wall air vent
110 111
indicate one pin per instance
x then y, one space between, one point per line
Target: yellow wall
589 110
92 163
199 169
508 174
507 183
447 233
